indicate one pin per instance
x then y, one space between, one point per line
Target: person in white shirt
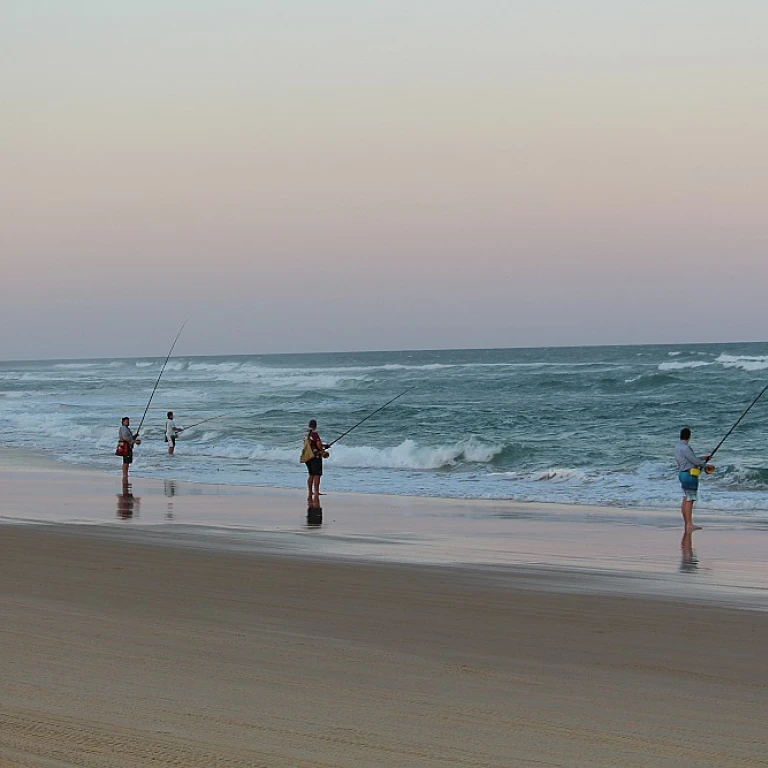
171 431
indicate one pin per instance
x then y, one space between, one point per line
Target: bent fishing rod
369 416
168 357
738 421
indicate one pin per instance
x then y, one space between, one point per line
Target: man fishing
125 442
689 467
314 463
315 450
171 432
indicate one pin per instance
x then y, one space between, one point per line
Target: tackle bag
122 449
306 451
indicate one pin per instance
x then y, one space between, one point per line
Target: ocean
583 426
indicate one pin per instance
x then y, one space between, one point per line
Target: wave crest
745 362
679 365
410 455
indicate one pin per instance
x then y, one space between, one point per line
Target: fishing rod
198 423
369 416
149 402
738 421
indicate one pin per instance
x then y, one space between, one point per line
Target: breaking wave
745 362
679 365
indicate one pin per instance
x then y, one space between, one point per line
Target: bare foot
691 528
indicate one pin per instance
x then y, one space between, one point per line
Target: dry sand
125 650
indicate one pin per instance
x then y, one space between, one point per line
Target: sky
330 175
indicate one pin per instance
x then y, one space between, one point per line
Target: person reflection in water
127 503
314 516
169 489
689 561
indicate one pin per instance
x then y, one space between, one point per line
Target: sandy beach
145 640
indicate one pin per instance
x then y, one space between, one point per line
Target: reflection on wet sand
127 503
314 516
689 562
169 489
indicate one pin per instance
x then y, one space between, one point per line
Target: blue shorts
690 485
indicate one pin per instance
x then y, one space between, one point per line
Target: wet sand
591 549
129 643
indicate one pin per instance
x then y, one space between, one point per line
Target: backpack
306 452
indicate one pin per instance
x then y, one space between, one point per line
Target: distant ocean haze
584 426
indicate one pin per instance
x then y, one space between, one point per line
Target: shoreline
588 550
25 460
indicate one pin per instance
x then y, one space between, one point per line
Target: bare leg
687 509
125 472
316 490
309 490
170 449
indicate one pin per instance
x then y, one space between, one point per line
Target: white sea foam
679 365
552 475
406 455
279 378
410 455
745 362
215 367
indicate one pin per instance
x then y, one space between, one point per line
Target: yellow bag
306 451
694 471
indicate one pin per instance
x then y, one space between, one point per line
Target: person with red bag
125 442
316 451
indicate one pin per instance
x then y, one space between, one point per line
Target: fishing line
204 421
159 377
738 421
369 416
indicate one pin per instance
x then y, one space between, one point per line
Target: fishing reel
326 454
709 469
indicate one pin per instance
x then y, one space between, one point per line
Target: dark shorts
315 467
128 458
171 440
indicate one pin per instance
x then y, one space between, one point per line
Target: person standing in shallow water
171 431
315 464
125 435
689 467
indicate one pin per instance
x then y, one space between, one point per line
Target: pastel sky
312 175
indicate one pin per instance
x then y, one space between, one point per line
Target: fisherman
314 464
171 431
689 467
128 439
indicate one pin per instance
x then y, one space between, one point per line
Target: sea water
584 426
